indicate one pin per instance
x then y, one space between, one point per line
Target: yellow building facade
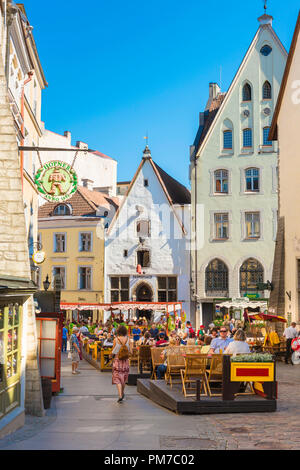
72 237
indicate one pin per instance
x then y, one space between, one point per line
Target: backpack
123 353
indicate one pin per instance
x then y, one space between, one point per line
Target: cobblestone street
86 416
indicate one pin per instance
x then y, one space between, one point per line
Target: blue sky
120 69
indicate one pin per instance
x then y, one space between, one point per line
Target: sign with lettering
56 181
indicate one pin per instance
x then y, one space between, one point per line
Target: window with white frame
85 241
119 289
61 272
221 181
247 138
247 92
59 242
221 226
252 225
266 141
167 288
252 180
85 278
227 140
267 91
62 209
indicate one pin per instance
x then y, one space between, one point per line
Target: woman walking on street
120 368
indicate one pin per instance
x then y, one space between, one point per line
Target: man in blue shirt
136 332
64 339
219 344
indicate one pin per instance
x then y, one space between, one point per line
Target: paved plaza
86 416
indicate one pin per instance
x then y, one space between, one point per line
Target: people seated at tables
161 369
109 341
219 344
214 332
154 331
146 340
206 347
201 331
238 345
161 340
136 333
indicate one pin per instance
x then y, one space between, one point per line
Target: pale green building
233 176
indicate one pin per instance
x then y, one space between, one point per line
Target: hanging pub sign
56 181
38 257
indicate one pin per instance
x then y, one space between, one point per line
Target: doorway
144 294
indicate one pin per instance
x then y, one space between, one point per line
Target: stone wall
14 257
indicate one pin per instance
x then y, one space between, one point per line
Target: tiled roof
84 203
178 193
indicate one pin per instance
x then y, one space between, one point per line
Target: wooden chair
144 358
157 360
175 362
195 369
215 373
134 356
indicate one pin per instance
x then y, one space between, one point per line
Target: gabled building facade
285 299
147 244
234 181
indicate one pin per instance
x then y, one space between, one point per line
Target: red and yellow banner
252 372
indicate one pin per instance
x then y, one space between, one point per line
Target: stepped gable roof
178 193
209 116
84 203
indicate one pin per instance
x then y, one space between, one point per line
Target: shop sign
56 181
252 296
38 257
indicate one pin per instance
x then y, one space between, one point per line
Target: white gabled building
234 181
147 252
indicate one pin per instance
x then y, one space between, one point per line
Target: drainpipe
30 74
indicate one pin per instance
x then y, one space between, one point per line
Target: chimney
67 134
214 90
88 184
81 145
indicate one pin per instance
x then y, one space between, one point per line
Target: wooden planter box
261 374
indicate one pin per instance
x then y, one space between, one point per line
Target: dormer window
62 209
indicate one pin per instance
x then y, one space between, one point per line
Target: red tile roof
84 203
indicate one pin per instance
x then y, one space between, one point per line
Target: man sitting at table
219 344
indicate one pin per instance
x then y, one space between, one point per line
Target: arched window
216 278
221 181
267 91
227 140
247 138
62 209
247 94
251 274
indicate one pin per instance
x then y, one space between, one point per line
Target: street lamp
46 283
